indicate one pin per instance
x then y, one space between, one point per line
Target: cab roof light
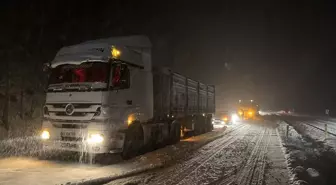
115 52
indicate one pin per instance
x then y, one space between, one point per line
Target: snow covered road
244 153
251 154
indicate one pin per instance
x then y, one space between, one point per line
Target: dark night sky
280 53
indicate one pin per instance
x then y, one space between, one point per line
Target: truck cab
96 90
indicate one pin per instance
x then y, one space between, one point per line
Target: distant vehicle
104 96
224 116
218 123
248 110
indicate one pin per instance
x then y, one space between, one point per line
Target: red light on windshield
116 76
80 75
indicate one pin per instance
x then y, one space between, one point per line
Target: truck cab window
88 72
120 77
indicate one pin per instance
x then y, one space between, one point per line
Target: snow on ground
310 160
251 154
24 170
26 146
314 127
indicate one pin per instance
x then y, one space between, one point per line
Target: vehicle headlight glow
95 138
45 135
130 119
234 117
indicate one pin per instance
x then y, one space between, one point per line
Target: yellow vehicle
248 110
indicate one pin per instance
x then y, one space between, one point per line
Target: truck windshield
88 72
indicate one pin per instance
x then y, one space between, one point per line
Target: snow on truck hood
76 60
100 50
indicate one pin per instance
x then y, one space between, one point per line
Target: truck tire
209 123
205 127
200 126
134 141
163 137
175 132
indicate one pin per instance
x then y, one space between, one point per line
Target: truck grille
71 138
74 114
76 105
76 126
81 112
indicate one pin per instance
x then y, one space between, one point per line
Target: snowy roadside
315 129
27 146
309 160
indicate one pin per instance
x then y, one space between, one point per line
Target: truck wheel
134 141
209 126
199 126
175 133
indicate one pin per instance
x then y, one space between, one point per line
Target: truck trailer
104 96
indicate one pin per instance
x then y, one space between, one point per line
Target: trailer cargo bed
181 97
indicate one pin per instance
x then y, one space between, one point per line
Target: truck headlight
95 138
45 135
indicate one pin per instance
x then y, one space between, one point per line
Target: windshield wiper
79 87
56 88
74 87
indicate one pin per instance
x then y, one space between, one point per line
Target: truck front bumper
81 147
93 137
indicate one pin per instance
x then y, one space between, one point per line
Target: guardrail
327 129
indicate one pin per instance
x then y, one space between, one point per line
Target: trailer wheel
134 141
175 133
200 126
209 126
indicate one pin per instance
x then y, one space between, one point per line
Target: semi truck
105 96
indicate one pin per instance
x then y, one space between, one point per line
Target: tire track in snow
246 174
229 173
196 162
252 172
263 161
213 155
